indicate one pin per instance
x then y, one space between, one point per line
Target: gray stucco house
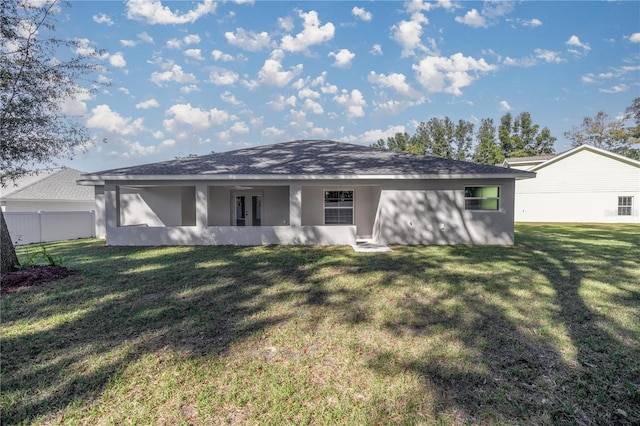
306 192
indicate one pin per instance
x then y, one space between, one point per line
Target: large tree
609 134
520 137
487 149
38 73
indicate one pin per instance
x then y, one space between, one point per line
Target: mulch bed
32 275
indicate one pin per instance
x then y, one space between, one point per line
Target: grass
544 332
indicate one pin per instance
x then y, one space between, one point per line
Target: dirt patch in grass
33 275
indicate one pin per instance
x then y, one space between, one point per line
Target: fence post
40 226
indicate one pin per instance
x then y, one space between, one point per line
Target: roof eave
93 180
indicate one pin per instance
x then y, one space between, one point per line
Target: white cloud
272 132
185 114
191 39
151 103
616 89
239 128
531 22
306 92
575 41
103 19
117 60
174 43
135 149
342 58
441 74
174 74
313 106
409 34
153 12
313 33
219 117
362 13
504 106
473 18
230 98
491 11
634 38
194 53
373 135
395 81
223 77
279 102
124 90
128 43
189 88
272 73
548 56
221 56
102 117
588 78
144 36
75 106
286 23
376 50
353 102
248 40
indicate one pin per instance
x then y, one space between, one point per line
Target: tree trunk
7 250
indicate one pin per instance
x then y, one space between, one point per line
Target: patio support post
112 206
295 204
201 206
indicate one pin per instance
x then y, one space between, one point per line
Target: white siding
582 187
30 227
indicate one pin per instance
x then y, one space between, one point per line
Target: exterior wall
53 206
391 211
157 206
219 206
233 235
432 212
101 225
34 227
275 206
583 187
366 199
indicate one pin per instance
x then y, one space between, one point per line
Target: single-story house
47 190
584 184
307 192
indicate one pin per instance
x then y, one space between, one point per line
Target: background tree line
515 136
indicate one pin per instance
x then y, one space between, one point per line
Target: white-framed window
338 207
482 198
625 205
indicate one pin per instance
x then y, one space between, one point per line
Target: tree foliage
34 83
441 137
610 134
38 73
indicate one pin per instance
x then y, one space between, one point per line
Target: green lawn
544 332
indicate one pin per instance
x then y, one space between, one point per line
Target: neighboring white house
584 184
306 192
48 206
47 190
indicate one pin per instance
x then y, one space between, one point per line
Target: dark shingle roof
52 184
308 157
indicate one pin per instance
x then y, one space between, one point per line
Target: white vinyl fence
40 227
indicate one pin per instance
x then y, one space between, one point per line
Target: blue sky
191 78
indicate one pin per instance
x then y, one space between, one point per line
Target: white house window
482 198
624 206
338 207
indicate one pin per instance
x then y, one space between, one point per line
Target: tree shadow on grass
511 369
485 362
